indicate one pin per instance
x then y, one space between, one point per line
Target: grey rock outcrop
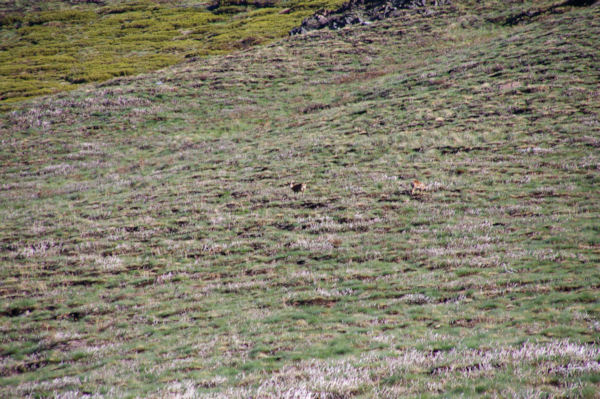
360 12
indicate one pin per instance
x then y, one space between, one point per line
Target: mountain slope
151 245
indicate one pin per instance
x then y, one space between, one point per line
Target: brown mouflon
298 187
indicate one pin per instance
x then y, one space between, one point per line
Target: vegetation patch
61 48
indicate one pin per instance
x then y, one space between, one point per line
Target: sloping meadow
150 244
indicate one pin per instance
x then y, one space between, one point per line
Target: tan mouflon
417 186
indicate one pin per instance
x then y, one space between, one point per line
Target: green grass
61 48
150 245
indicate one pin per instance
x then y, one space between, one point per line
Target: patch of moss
44 52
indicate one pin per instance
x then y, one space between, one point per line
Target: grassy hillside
150 245
54 46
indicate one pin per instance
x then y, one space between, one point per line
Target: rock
361 12
321 20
